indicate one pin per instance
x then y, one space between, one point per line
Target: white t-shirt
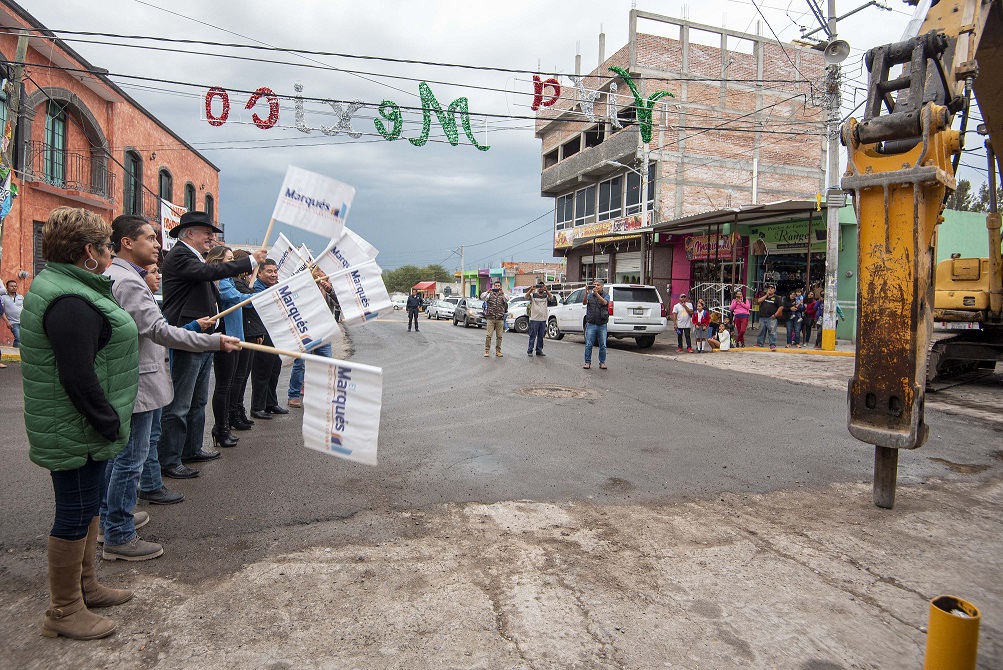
683 318
724 337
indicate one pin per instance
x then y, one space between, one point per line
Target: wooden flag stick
269 350
264 245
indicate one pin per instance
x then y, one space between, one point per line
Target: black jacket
189 292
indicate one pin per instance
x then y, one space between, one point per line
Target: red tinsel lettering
214 92
539 87
273 108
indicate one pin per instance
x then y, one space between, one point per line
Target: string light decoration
388 110
644 107
540 87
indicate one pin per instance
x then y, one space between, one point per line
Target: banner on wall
711 247
623 225
170 216
787 238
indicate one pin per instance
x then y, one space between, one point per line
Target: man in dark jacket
189 294
265 367
413 303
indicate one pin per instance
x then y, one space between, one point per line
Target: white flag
305 254
296 314
361 292
341 408
343 254
368 249
170 216
284 254
313 202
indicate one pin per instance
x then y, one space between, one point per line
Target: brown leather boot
96 595
67 614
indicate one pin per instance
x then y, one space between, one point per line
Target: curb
784 350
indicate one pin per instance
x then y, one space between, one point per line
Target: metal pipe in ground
952 638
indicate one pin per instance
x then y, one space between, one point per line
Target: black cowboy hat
189 219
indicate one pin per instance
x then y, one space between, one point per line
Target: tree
961 199
981 202
403 278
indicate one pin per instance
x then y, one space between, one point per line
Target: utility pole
463 275
14 101
832 212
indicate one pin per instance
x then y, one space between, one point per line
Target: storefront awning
424 286
774 212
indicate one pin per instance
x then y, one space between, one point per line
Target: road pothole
557 392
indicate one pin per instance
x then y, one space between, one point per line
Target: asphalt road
458 427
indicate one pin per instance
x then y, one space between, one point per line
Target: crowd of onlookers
801 312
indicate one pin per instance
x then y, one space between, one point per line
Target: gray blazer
155 334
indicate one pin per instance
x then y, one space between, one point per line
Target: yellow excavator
902 160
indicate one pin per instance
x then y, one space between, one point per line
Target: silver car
441 309
469 312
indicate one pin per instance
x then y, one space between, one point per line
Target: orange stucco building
81 141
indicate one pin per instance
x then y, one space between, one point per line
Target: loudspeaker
836 52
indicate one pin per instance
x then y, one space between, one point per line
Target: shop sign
625 224
787 238
709 247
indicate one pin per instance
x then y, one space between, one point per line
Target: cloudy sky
416 204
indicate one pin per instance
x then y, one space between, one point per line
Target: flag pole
269 350
264 246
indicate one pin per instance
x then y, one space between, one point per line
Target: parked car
517 318
398 301
441 309
635 311
469 311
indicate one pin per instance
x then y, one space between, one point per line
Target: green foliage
403 278
961 199
981 202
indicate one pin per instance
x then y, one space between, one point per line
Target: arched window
190 197
55 143
166 186
133 197
210 207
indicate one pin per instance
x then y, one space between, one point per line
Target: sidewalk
10 355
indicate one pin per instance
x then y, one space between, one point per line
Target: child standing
701 325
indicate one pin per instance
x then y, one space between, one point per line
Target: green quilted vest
61 438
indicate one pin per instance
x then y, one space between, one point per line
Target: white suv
635 311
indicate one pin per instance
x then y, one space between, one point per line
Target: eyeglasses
106 245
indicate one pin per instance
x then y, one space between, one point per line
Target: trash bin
952 637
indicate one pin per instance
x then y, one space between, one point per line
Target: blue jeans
121 478
767 326
183 422
78 499
537 329
595 332
151 480
299 368
15 328
793 329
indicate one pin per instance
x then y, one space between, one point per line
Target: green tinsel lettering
644 107
446 119
390 111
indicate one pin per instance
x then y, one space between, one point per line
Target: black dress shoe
179 472
275 409
260 415
202 455
162 496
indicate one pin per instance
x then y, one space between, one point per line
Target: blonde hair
68 230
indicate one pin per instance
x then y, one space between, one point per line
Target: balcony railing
69 170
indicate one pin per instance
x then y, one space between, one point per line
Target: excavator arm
901 164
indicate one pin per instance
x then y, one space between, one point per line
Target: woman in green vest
80 365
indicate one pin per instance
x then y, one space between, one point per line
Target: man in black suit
189 294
